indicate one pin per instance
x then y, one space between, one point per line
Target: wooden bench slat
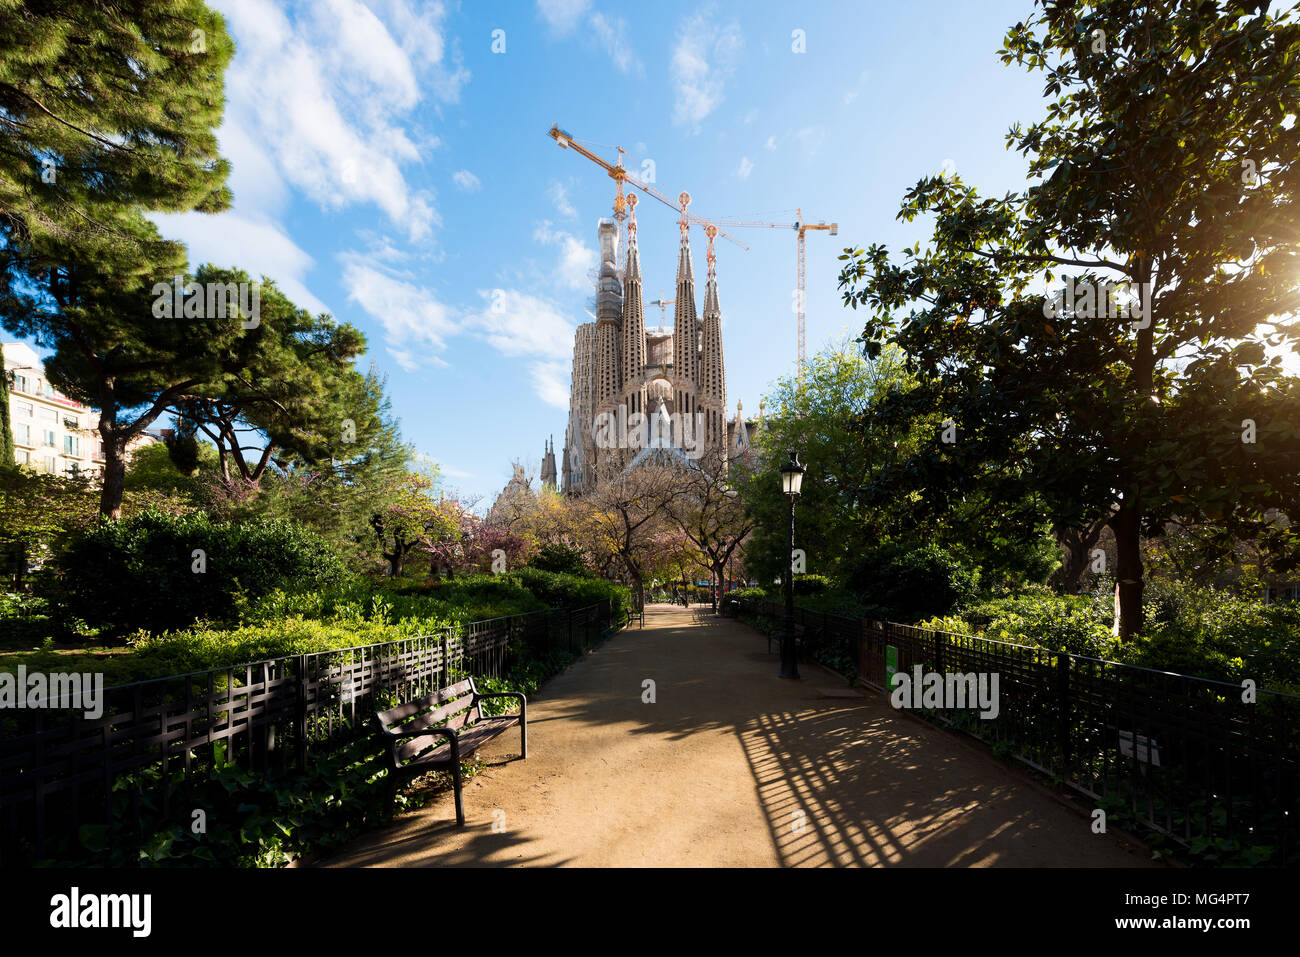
393 716
435 748
454 709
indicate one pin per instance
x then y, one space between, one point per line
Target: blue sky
390 168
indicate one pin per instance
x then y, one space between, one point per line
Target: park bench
636 614
436 731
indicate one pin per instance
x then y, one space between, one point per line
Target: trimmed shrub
1039 618
912 580
811 584
559 590
559 557
159 572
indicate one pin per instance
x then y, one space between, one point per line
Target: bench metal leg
523 738
460 804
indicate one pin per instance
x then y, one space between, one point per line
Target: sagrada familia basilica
637 394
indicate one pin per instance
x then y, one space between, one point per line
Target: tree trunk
1078 544
1128 573
110 494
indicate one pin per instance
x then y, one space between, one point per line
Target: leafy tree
183 445
1166 162
625 512
153 468
337 497
108 111
711 514
290 394
112 352
105 109
408 521
6 423
821 419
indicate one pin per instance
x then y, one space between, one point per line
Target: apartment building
52 433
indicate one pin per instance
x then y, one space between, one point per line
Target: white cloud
551 381
612 34
746 167
703 60
770 145
466 180
853 94
562 15
328 93
559 197
576 257
235 241
519 324
811 139
416 325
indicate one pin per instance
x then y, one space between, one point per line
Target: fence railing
1187 757
58 768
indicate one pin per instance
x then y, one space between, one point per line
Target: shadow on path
732 766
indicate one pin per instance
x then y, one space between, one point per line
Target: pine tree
105 109
108 111
6 426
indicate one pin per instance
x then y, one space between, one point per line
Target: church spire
634 346
686 349
712 377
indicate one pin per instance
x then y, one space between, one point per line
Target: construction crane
800 227
619 174
663 304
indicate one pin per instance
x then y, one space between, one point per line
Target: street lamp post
791 481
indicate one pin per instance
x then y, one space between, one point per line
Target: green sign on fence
891 666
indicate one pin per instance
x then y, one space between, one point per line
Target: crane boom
618 172
800 228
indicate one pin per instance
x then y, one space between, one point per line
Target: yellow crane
619 174
800 227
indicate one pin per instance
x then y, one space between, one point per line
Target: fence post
1063 709
442 671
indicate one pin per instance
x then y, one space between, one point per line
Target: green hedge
159 572
560 590
1191 630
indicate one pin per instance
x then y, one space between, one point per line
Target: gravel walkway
733 767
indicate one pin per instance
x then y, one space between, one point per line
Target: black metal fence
1190 758
60 769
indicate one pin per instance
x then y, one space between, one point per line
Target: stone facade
631 388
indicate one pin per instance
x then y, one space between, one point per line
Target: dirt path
732 766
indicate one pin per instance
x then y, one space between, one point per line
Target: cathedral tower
634 350
711 380
686 337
